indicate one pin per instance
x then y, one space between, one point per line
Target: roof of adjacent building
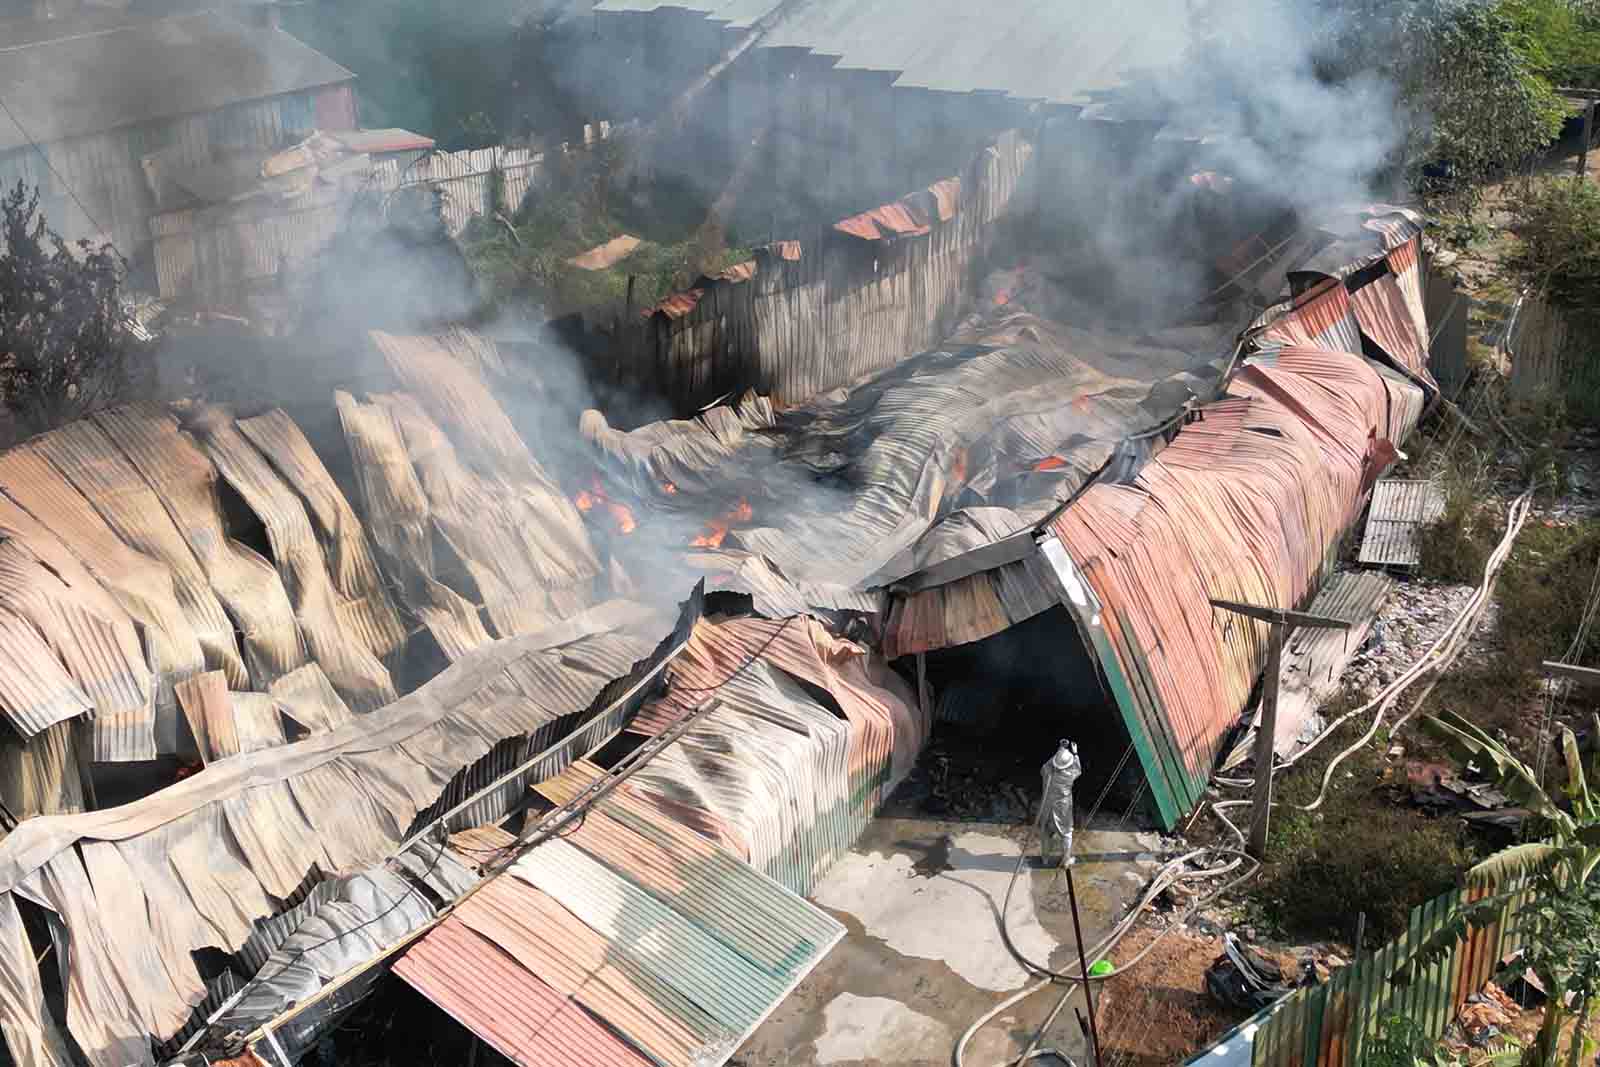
80 82
1063 52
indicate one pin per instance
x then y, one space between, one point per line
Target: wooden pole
1282 622
1571 672
1266 733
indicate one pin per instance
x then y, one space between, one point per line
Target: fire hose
1439 656
1173 871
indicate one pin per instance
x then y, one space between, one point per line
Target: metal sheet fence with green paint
1330 1025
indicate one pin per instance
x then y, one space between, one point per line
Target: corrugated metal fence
1330 1024
849 306
1550 354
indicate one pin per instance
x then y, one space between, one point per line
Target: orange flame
669 489
713 537
1050 463
717 529
587 500
1002 298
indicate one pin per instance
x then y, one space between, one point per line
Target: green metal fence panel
1333 1024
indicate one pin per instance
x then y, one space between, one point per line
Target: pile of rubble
1414 617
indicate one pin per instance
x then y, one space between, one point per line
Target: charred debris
500 652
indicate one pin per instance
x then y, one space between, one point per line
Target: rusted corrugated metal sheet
40 775
869 314
1243 506
309 698
185 482
1319 317
141 584
607 255
364 604
768 732
87 458
1400 510
1390 311
489 992
629 921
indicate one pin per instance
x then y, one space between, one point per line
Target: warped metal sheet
225 848
87 458
185 482
1243 505
142 585
25 1026
344 542
780 775
307 697
400 516
40 776
518 538
90 634
349 657
1400 510
35 692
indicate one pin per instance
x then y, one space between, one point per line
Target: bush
1543 592
1559 223
1356 853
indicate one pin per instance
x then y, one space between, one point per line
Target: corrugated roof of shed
81 83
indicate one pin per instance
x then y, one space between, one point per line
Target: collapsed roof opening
1001 704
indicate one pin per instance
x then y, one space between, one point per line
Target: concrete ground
923 956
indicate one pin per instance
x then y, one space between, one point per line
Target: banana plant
1561 912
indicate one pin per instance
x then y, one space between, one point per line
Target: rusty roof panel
185 482
489 992
1400 510
676 305
632 922
346 655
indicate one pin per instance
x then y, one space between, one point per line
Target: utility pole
1282 623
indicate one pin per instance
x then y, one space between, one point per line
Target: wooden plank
1278 615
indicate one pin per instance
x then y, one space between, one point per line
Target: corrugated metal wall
846 308
105 172
1329 1025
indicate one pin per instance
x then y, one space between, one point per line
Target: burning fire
1050 463
588 499
669 489
717 529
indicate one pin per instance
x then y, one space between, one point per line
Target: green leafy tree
63 336
1562 923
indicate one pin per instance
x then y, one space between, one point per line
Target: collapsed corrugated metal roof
1015 413
200 864
1401 508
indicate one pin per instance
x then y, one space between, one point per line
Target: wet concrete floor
923 957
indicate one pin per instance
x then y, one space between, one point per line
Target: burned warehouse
542 674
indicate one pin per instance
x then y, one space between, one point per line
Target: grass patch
1358 852
1544 588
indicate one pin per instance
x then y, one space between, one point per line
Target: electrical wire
58 175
